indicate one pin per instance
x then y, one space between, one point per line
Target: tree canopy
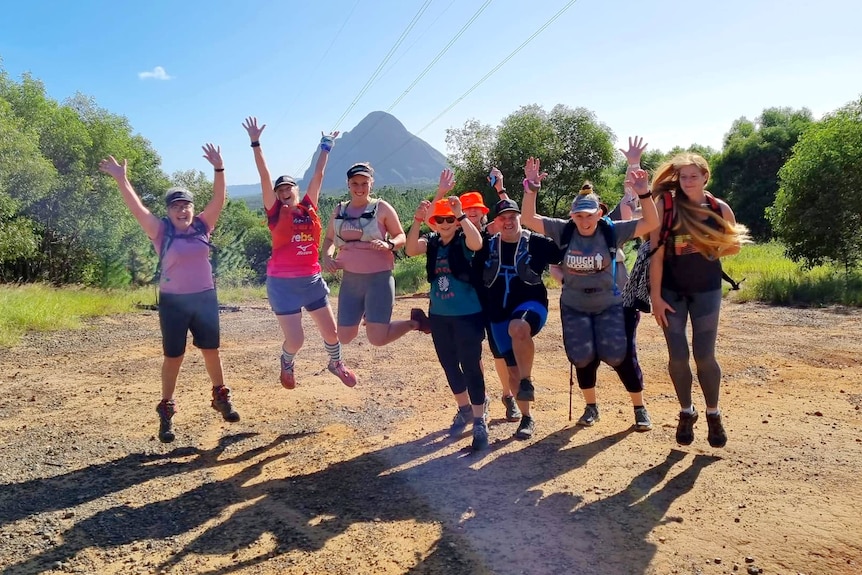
816 212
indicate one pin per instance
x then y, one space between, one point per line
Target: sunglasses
444 219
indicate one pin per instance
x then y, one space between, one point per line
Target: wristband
391 245
502 191
326 143
219 169
531 186
255 144
645 196
462 217
635 166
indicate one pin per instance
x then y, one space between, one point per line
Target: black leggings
458 343
629 371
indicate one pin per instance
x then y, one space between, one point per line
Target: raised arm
629 201
446 185
472 235
254 132
638 181
416 245
148 222
326 144
533 177
213 210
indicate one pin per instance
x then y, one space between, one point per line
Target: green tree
816 212
746 172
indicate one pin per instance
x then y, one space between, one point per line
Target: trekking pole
571 388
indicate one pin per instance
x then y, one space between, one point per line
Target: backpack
462 268
606 225
636 291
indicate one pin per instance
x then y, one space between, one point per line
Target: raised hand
327 141
113 168
495 179
532 170
447 181
635 151
251 127
455 204
213 155
637 181
422 211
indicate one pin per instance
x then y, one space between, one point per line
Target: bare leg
212 361
291 327
325 321
170 372
380 334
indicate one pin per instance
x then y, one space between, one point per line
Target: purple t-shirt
186 266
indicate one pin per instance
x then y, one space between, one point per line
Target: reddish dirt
326 479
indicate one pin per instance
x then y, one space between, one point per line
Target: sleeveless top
295 240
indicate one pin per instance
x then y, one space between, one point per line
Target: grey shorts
288 296
369 294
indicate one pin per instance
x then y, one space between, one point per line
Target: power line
500 65
486 76
374 76
424 72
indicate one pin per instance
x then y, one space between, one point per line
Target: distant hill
398 157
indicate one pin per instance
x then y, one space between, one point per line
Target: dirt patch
326 479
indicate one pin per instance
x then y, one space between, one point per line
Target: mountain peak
397 156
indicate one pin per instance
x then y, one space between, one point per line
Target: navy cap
178 195
506 205
284 181
363 169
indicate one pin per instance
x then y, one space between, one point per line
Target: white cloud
158 73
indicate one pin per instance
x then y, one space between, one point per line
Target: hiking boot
590 416
288 380
166 410
526 391
419 317
526 428
512 411
685 427
480 435
221 403
460 421
642 420
716 435
339 370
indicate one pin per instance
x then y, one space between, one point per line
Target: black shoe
526 429
590 416
512 411
166 410
526 391
420 318
221 402
685 427
716 436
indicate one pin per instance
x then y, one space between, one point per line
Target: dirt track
326 479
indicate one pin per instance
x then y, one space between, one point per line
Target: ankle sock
334 350
287 358
689 411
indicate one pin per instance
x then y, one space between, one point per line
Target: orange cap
473 200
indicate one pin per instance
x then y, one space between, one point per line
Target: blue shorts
534 313
287 296
370 294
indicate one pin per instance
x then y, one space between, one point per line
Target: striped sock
334 350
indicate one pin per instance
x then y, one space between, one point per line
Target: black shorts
181 313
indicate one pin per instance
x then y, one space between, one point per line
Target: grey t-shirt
588 283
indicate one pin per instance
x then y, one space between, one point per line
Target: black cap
363 169
506 205
284 181
178 195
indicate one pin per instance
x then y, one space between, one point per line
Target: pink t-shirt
295 240
186 266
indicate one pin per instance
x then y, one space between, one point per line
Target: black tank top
686 270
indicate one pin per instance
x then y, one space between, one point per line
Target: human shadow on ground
20 500
515 528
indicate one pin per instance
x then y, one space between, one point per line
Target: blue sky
185 73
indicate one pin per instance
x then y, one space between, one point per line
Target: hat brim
363 173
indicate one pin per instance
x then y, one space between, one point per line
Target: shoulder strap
607 226
566 236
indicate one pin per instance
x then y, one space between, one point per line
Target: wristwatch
391 245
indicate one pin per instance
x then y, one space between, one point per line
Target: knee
519 330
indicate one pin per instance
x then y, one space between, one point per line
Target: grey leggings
703 308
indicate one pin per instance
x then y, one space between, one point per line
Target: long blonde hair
693 219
